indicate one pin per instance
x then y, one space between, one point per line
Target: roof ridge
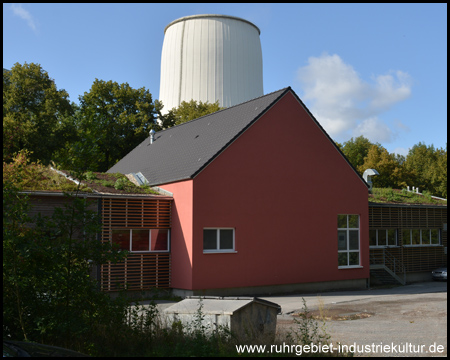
201 117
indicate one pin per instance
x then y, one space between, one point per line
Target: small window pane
160 240
122 238
372 238
392 237
342 259
342 240
342 221
354 240
226 239
354 258
425 237
209 239
435 236
353 221
406 235
140 240
382 238
415 237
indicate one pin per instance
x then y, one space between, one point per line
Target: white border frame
348 251
149 240
218 250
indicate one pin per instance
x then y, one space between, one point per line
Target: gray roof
182 151
216 305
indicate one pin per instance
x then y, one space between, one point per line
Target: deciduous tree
112 120
36 115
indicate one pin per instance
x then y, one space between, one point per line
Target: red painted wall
281 185
181 234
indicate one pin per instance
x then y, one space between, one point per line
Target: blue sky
378 70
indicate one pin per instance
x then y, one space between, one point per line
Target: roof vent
152 136
367 177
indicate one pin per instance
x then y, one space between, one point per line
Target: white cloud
25 15
345 105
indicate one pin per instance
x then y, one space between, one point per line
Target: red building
263 201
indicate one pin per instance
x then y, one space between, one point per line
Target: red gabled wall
281 185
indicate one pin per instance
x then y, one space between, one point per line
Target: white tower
210 58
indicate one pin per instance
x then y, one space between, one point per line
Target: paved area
408 320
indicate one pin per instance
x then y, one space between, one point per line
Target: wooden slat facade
414 258
140 271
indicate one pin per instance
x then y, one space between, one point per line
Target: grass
388 195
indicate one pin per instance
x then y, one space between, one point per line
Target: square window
342 240
372 237
209 239
218 240
354 240
392 237
415 237
426 237
343 259
140 240
226 239
353 221
354 258
159 240
121 238
434 234
382 238
342 221
406 236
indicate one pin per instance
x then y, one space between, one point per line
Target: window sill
423 245
220 252
350 267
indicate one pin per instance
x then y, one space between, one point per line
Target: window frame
217 250
348 251
421 244
378 246
130 249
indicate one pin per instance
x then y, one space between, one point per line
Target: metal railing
390 263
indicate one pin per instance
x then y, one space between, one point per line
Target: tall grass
145 332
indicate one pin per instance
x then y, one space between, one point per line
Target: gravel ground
398 322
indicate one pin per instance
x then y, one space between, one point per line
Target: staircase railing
390 263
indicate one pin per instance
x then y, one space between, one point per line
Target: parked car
30 349
439 274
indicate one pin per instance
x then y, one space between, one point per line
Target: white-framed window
421 237
382 237
218 240
348 241
142 240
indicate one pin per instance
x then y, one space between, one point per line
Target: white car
439 274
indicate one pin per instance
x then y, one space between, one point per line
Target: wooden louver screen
414 258
140 271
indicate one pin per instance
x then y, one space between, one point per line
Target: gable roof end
181 152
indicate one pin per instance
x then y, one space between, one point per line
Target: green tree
112 120
36 115
391 172
191 110
356 150
429 168
48 293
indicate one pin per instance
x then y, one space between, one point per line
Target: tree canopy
112 120
36 115
191 110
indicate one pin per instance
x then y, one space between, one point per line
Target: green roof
403 197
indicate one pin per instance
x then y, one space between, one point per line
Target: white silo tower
210 58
